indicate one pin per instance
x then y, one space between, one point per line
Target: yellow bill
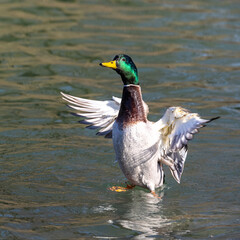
111 64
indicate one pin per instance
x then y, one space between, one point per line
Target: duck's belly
134 145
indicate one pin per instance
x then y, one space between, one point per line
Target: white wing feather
177 127
99 114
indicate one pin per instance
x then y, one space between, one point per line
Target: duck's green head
124 66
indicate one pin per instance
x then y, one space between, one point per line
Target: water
54 174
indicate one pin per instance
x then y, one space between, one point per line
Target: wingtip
64 96
212 119
178 179
176 174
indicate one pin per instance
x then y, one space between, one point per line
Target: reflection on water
143 214
55 174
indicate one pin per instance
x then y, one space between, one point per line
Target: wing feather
98 114
177 127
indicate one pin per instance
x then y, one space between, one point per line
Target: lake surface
55 174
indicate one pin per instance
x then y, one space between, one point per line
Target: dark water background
54 174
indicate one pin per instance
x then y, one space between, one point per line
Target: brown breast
131 109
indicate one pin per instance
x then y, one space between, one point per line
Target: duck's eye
124 59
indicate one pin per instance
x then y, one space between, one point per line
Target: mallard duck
141 146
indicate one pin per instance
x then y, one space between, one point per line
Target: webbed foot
121 189
155 195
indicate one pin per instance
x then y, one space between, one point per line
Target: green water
55 174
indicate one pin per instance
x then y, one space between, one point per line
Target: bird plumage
141 146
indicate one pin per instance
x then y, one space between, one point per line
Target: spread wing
177 127
98 114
